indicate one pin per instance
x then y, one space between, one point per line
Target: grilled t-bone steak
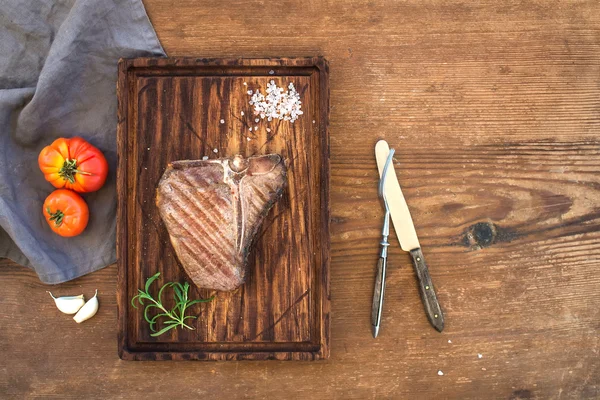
212 210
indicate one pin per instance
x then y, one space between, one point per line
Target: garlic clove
68 304
88 310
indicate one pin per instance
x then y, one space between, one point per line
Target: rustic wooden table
494 109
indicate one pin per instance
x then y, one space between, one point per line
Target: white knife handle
428 296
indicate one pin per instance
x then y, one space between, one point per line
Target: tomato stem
69 169
56 216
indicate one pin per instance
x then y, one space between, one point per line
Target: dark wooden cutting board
186 108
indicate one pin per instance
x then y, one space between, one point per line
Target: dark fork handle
428 296
378 292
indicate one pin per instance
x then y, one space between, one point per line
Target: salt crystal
440 373
256 128
242 113
256 120
314 122
215 151
483 369
245 84
248 139
271 72
277 103
479 355
268 129
449 341
222 121
145 168
250 129
148 148
250 92
205 158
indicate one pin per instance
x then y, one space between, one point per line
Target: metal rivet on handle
418 258
435 316
426 287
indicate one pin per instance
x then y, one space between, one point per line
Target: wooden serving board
186 108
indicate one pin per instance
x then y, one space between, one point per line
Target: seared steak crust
212 210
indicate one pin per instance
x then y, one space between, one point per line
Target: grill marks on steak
213 209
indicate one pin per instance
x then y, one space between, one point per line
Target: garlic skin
88 310
68 304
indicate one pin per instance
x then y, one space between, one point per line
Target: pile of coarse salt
277 103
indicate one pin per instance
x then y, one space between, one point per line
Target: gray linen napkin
58 71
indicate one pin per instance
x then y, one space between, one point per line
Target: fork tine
384 172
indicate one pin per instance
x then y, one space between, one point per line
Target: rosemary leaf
163 330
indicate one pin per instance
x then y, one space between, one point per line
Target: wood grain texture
188 108
494 109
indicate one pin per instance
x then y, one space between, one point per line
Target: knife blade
407 236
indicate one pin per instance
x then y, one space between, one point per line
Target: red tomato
66 212
73 164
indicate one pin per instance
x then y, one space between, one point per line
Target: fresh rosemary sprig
176 316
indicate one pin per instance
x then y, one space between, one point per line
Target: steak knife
407 236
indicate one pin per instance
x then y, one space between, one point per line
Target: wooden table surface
494 110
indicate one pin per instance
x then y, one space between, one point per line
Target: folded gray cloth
58 72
